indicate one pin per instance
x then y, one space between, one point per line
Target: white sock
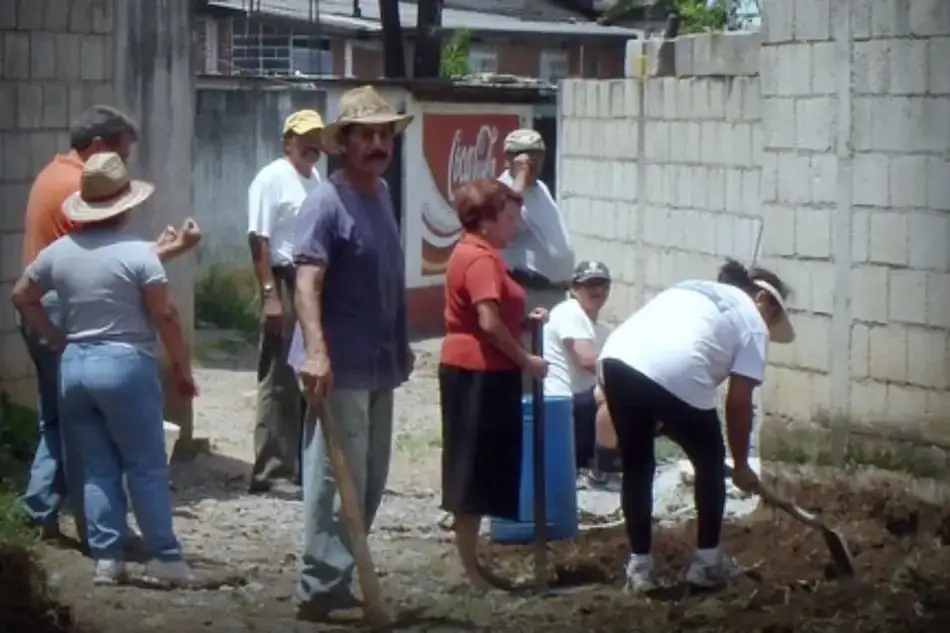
709 556
641 561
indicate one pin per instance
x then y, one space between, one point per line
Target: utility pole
428 53
394 56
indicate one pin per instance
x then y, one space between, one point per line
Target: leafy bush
455 55
227 299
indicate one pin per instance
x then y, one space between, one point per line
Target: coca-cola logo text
470 162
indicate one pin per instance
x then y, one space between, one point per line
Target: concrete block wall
856 97
56 59
836 139
660 178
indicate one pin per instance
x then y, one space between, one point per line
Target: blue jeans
51 482
111 396
364 421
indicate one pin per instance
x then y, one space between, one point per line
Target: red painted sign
458 148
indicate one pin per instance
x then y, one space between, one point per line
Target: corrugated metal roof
338 13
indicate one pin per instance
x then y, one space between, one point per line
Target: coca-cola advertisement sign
458 148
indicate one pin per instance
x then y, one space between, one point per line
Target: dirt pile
901 547
26 605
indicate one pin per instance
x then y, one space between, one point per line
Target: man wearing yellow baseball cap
274 200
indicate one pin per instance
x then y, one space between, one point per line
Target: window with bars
259 48
482 60
553 66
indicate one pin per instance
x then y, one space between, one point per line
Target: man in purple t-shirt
351 347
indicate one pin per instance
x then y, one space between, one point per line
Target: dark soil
26 605
901 547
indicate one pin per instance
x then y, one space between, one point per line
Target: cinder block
821 287
8 105
871 67
80 16
869 294
29 14
907 296
778 231
103 17
12 204
794 65
938 300
56 15
16 55
861 124
68 56
591 94
17 156
938 184
860 20
566 98
908 67
860 351
813 230
890 18
889 238
927 357
906 405
42 55
868 402
929 17
655 98
778 123
94 58
715 189
870 178
794 173
939 52
824 68
812 20
910 124
769 75
8 317
815 124
908 181
811 349
929 241
10 257
778 21
888 353
604 87
55 106
824 179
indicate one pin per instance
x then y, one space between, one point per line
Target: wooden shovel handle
373 607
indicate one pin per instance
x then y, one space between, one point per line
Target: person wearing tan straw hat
666 363
52 481
541 257
117 305
274 200
351 346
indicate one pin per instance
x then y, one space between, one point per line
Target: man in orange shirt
98 129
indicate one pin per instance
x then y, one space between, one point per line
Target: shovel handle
538 471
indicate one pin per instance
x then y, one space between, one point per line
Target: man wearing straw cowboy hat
351 347
274 200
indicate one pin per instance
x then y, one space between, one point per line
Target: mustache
311 150
377 156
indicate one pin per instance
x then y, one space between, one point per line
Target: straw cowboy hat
362 106
783 331
105 190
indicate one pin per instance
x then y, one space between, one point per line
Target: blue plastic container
560 476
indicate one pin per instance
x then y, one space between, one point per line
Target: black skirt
481 441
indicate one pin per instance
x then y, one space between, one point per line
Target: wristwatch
267 288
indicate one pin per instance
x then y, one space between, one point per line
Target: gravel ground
251 543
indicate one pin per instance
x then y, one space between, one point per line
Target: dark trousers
636 404
279 401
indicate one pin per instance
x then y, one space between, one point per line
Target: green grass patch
226 298
18 438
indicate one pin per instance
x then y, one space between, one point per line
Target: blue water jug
560 475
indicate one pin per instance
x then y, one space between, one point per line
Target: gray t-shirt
99 275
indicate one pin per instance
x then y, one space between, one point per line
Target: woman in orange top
480 370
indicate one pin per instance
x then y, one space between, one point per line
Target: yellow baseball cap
303 122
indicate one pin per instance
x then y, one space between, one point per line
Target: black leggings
636 404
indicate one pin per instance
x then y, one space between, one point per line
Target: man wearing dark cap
99 129
573 338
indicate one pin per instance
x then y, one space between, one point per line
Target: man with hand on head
274 200
541 256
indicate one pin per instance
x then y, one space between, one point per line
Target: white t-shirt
691 337
273 200
569 321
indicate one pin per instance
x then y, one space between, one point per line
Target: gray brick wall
835 132
56 59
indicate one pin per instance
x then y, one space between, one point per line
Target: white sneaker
641 575
109 572
170 573
711 574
